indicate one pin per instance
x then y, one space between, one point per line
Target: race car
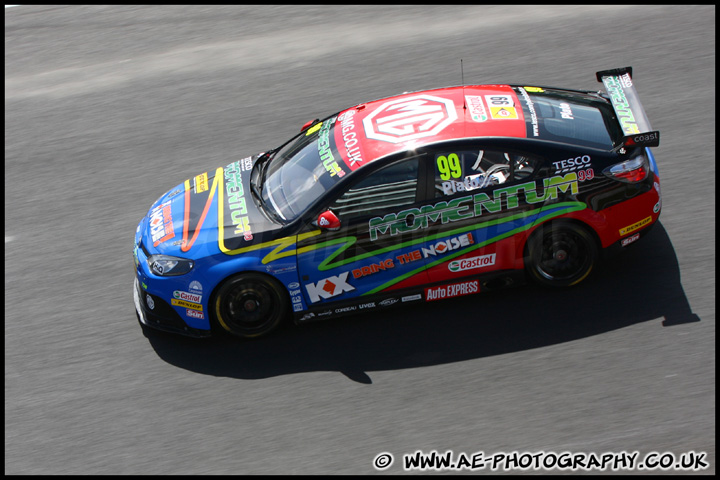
419 197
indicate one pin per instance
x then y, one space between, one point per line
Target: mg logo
410 118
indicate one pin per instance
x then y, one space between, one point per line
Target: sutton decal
627 241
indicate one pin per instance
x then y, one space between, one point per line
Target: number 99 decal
500 100
449 167
588 174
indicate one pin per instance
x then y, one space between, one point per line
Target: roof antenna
462 79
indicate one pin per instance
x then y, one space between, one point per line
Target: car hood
211 213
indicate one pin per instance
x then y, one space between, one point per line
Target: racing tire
561 254
250 305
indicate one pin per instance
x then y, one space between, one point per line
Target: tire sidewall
279 300
535 250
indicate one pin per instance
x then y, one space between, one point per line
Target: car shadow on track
640 284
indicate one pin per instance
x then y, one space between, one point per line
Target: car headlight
165 265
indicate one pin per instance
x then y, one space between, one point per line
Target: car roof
375 129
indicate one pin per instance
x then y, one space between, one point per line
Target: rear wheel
250 305
561 254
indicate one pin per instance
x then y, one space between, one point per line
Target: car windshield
302 170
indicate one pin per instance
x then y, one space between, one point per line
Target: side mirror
327 220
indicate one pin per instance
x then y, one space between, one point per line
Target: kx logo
329 287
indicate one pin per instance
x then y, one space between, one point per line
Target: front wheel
250 305
561 254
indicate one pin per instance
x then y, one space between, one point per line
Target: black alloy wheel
250 305
561 254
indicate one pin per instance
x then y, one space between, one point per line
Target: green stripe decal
546 212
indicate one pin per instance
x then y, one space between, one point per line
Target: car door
371 253
482 191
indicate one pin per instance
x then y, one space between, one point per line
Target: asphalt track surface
106 107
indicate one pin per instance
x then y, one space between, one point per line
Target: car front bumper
161 316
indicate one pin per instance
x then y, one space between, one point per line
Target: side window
386 189
466 170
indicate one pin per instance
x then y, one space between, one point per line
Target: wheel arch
572 223
538 229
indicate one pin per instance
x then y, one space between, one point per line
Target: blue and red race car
415 198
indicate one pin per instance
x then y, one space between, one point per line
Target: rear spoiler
636 128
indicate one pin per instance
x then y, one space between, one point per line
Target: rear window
568 117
